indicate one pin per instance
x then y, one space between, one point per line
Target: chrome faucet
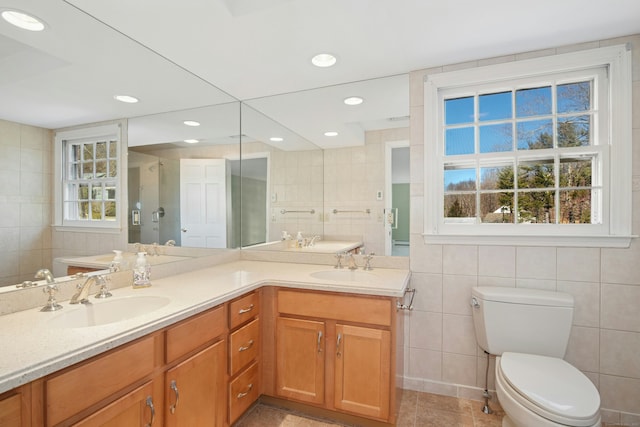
367 259
83 290
313 240
352 262
45 274
170 243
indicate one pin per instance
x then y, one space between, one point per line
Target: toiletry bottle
142 271
299 239
116 264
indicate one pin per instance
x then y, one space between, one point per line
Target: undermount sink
108 311
345 274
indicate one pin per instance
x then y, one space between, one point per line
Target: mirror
365 180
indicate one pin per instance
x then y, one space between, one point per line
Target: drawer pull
338 353
245 310
246 347
174 387
241 395
319 341
153 411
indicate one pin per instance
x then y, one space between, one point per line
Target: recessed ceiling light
353 100
191 123
23 20
191 141
323 60
276 139
331 133
126 98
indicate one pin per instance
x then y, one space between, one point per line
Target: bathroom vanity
248 328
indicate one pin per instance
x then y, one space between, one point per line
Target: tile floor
416 410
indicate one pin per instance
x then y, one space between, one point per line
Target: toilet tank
522 320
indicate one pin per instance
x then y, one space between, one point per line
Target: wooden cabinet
300 357
334 351
195 387
244 354
15 408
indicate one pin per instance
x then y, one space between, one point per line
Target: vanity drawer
243 309
243 391
79 388
350 308
244 345
194 332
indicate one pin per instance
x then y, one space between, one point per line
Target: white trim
616 232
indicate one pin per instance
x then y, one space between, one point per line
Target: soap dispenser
299 239
142 271
116 264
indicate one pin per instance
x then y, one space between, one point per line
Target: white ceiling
176 55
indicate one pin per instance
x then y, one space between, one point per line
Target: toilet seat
549 387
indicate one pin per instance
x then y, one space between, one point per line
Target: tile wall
25 196
441 351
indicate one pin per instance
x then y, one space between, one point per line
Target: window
88 174
531 152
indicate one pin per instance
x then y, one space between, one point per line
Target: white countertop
32 347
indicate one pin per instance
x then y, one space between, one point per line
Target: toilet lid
551 384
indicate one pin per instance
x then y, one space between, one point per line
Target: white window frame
615 231
110 132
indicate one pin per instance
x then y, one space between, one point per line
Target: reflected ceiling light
323 60
191 123
126 98
191 141
353 100
23 20
331 133
276 139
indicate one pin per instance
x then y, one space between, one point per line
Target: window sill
538 240
76 229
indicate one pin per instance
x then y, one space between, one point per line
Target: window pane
113 149
536 207
575 207
75 153
75 171
459 110
533 102
496 207
575 172
96 210
110 211
113 168
496 178
574 97
110 191
495 106
101 150
536 174
87 170
101 169
459 179
87 151
535 134
459 141
83 210
83 192
96 193
460 206
574 131
495 138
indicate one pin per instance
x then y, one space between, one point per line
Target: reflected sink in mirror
109 311
346 275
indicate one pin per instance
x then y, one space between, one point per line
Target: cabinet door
11 411
362 370
300 359
133 409
195 390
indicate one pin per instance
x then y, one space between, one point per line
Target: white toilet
528 330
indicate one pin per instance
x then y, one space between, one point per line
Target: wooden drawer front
340 307
243 309
244 345
79 388
132 409
194 332
243 391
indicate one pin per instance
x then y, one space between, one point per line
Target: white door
204 201
396 171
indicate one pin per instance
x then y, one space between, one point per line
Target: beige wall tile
547 285
583 349
621 265
456 293
579 264
425 364
536 262
425 330
425 258
428 291
619 308
586 296
619 353
619 393
497 261
458 335
459 369
460 259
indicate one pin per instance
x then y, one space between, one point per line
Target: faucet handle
368 258
339 256
52 304
104 290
